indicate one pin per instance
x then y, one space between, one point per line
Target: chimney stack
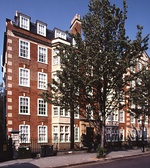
75 24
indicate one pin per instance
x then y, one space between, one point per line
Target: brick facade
11 64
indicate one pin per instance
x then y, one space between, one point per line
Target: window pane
66 129
66 137
24 133
24 77
24 105
41 29
42 55
61 137
24 22
55 60
24 49
61 128
42 133
42 80
42 107
61 112
76 133
55 110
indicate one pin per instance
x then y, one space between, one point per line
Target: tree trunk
72 129
143 142
103 132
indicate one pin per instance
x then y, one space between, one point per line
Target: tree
92 75
64 91
139 92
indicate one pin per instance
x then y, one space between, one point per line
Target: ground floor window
76 134
61 133
64 133
42 133
24 133
112 134
145 134
121 134
55 133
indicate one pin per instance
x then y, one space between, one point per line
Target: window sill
24 86
42 115
24 114
41 142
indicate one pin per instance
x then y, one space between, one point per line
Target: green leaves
93 69
140 92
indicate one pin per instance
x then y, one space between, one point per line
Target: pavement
68 159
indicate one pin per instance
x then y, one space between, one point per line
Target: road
133 162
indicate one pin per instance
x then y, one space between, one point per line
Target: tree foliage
139 91
92 71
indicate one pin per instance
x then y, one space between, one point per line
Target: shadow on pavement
20 165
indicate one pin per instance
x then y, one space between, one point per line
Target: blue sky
59 13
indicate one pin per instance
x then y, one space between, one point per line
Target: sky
59 13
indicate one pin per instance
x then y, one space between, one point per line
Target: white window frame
76 134
42 57
121 116
133 134
24 77
25 104
133 84
132 118
121 133
76 115
115 116
89 112
146 119
139 81
55 60
41 29
108 134
42 80
42 134
42 105
139 66
55 51
60 34
140 118
24 49
24 133
66 113
89 91
112 134
112 116
63 112
132 104
24 22
145 134
55 77
55 111
55 133
64 133
122 98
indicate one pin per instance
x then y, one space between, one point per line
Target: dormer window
60 34
41 29
24 22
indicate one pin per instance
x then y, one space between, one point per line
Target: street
138 162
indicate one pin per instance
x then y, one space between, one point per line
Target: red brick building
29 63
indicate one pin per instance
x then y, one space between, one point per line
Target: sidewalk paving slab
69 159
